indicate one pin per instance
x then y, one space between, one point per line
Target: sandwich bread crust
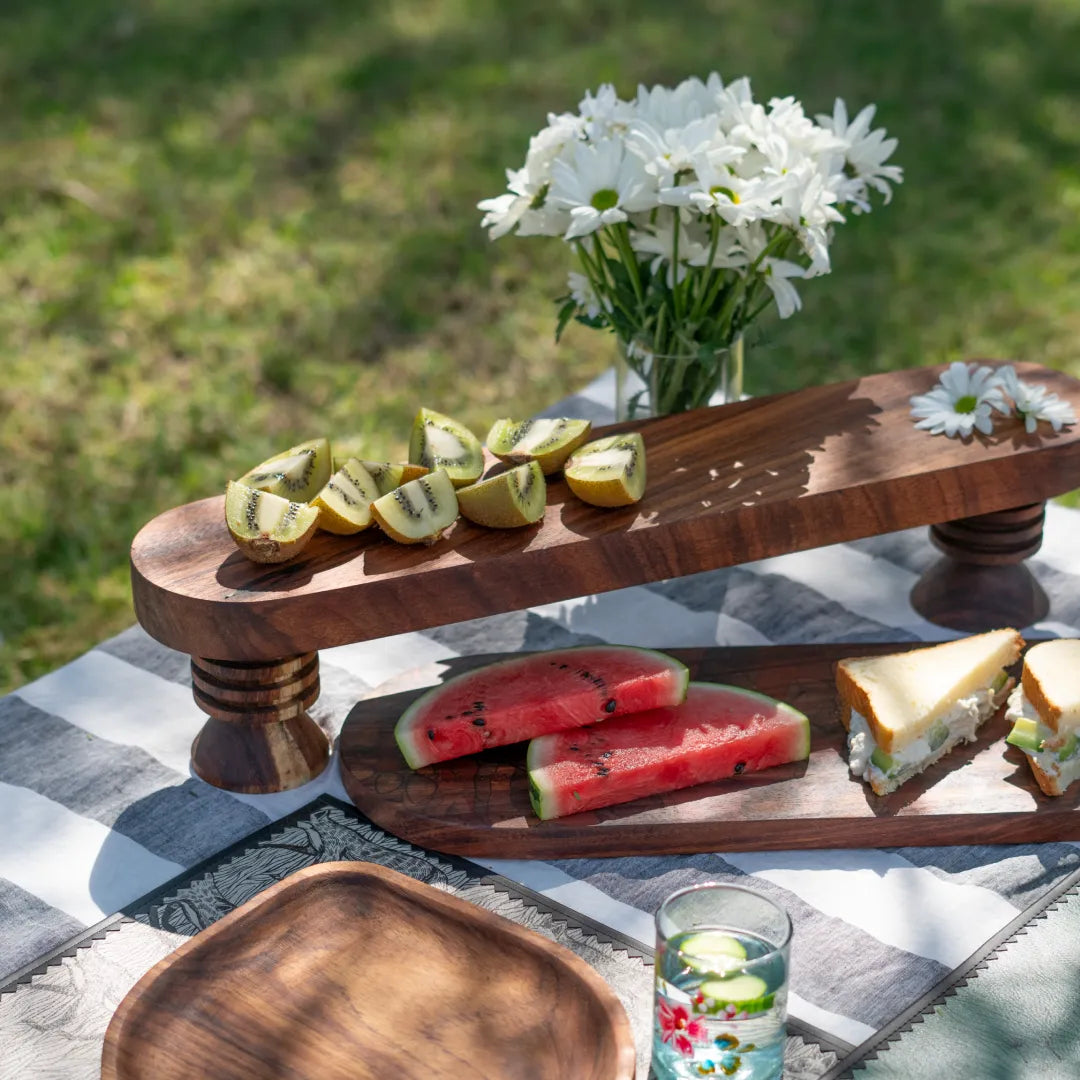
901 695
1051 682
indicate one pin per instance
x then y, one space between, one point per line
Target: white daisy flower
865 151
603 114
718 189
672 150
599 185
777 274
960 403
1034 402
584 295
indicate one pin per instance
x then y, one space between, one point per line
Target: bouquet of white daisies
691 209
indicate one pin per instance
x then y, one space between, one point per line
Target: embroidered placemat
53 1015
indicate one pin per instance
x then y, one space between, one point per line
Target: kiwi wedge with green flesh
549 442
440 442
418 512
346 500
608 471
298 474
389 475
506 501
266 527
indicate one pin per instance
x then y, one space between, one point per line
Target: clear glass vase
647 384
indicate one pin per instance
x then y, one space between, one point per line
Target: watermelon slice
535 694
719 731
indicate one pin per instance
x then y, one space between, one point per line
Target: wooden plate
982 792
350 970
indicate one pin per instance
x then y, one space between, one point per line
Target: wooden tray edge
623 1067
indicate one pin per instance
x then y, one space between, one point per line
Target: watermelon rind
409 732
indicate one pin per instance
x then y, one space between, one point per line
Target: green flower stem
676 292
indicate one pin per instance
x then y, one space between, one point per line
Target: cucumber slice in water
748 993
1025 735
710 951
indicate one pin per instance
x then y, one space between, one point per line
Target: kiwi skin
613 490
462 471
494 502
550 461
265 548
427 485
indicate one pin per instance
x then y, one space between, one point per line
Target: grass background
227 225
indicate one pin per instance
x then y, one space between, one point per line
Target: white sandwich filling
960 724
1059 751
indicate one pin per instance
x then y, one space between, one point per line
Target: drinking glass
721 984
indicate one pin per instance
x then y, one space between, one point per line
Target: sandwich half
904 711
1045 713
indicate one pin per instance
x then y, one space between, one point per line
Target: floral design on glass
679 1028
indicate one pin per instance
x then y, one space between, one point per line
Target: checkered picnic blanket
98 804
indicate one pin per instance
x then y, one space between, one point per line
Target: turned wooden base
259 737
982 582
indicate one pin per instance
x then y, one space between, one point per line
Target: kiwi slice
440 442
608 471
549 442
419 511
515 497
388 475
298 474
266 527
346 500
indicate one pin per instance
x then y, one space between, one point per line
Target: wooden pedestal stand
982 580
259 736
727 485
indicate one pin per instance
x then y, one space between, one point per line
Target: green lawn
227 225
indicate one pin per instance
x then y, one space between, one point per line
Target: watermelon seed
431 733
610 705
607 753
602 771
575 748
479 721
739 766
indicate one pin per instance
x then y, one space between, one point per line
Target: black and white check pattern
98 804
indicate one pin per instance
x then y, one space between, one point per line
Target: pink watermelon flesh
719 731
535 694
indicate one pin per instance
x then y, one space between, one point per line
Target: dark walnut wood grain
982 581
727 485
981 792
259 737
350 971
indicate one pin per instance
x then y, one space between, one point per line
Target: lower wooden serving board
351 970
982 792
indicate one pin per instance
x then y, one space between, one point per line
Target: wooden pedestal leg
259 737
982 583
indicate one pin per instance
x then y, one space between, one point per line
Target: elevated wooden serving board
727 485
351 970
982 792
